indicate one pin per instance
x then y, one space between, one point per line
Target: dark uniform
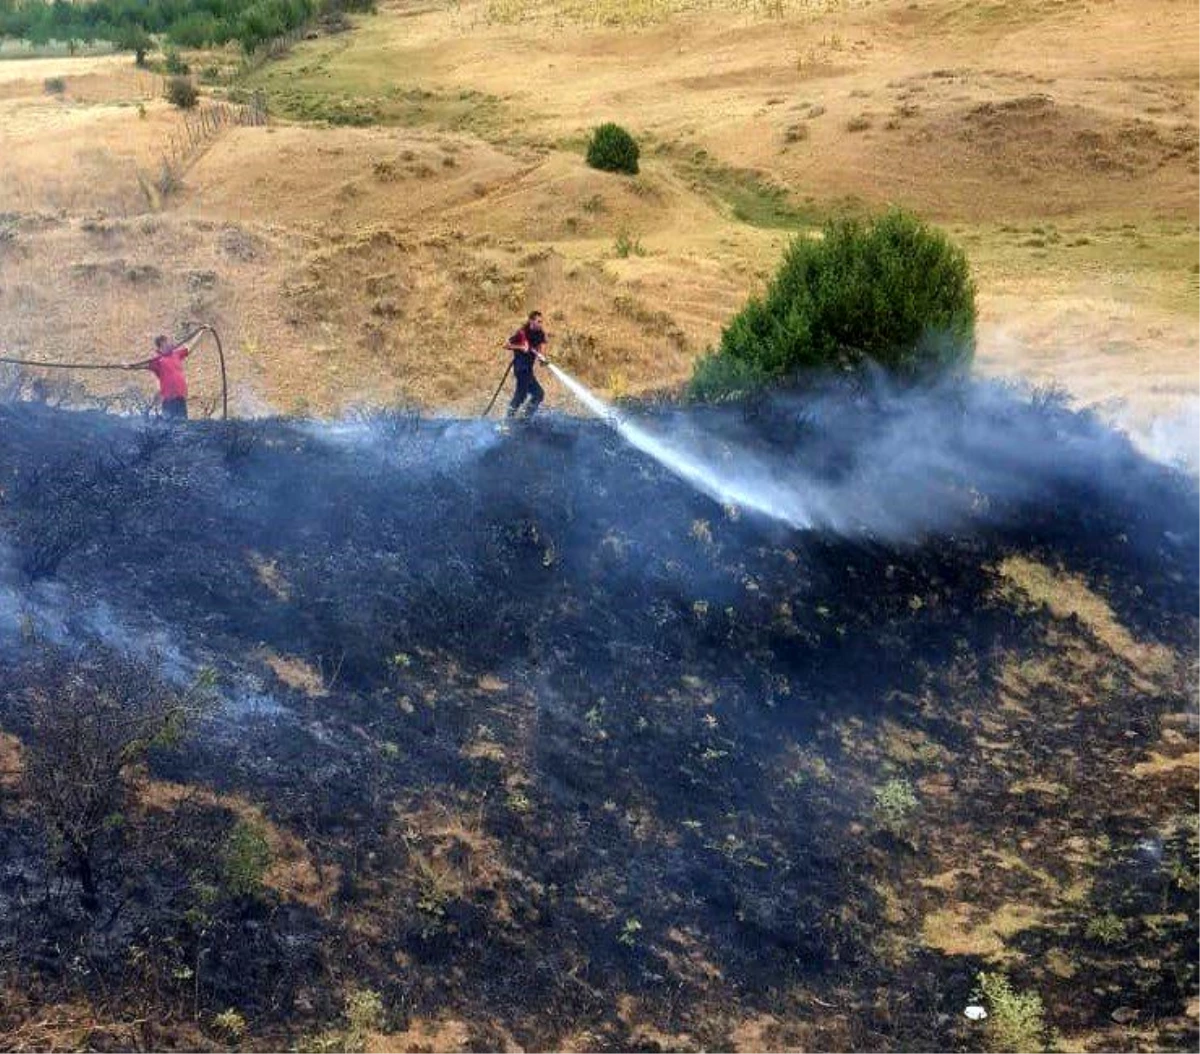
526 343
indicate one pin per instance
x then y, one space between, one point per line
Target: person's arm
138 365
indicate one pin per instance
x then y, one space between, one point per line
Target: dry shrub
88 726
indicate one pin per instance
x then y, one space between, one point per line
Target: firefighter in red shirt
526 345
167 366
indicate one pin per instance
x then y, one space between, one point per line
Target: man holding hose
167 366
526 345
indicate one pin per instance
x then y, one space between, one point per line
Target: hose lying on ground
198 331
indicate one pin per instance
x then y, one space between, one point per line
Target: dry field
526 744
421 185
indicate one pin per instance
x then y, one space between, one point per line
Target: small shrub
55 85
1107 929
612 149
174 65
182 92
245 858
796 133
628 245
364 1011
91 725
230 1023
385 171
895 803
629 932
168 181
858 124
1016 1020
891 291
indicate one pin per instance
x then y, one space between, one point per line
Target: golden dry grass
296 673
1068 595
961 930
292 873
11 762
382 264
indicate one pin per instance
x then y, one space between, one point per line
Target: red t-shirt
168 368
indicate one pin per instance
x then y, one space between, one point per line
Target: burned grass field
403 733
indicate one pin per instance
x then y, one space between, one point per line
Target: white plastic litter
975 1013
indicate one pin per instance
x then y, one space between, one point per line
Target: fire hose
199 330
500 386
497 394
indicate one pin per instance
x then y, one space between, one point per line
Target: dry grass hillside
405 732
421 185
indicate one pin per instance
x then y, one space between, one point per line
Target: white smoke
910 462
1172 440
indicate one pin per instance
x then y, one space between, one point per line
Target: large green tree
892 291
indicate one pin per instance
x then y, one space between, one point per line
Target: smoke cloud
1172 440
890 463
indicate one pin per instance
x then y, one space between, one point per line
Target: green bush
612 149
174 65
1016 1020
182 93
54 85
891 291
628 245
1108 929
245 857
894 804
230 1023
364 1011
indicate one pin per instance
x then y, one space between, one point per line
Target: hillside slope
547 750
417 192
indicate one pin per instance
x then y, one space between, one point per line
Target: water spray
778 501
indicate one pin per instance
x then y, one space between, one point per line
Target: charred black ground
554 751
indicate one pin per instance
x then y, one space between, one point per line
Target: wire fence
207 121
199 128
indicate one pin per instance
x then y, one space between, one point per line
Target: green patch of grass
402 108
1158 273
245 857
354 83
895 802
748 195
